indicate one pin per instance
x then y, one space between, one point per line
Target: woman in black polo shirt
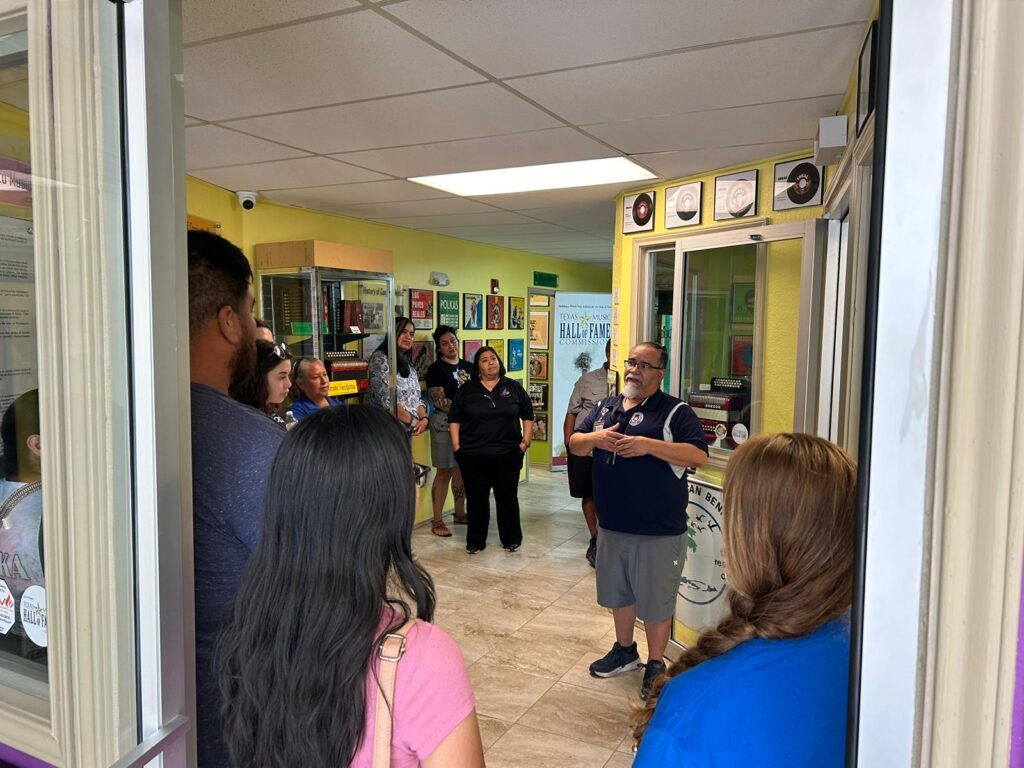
489 446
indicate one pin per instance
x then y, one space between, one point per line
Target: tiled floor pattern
529 625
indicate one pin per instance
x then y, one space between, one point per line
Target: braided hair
789 533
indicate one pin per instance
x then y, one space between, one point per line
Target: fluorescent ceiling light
530 178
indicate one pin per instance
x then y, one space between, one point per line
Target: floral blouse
407 387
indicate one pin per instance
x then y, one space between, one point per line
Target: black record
804 183
643 209
740 198
686 205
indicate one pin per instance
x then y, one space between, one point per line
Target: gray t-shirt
591 388
233 446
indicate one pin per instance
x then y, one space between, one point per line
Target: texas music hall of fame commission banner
581 325
18 358
700 600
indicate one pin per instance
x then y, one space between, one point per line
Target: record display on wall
798 184
736 195
638 213
683 205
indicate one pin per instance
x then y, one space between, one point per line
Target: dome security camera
247 199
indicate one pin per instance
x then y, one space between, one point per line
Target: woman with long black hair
491 423
331 581
410 410
270 381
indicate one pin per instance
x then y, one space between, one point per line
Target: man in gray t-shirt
233 446
590 389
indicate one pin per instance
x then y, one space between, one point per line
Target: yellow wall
469 265
782 293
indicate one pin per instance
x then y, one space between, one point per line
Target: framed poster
499 347
638 212
516 313
683 205
421 308
495 312
373 316
539 396
798 184
540 300
866 78
736 195
538 330
742 304
540 426
448 309
515 355
473 311
469 349
741 361
539 365
423 354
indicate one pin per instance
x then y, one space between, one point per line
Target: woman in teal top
767 685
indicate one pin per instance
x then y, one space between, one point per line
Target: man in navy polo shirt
643 442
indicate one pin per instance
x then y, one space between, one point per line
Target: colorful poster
423 354
448 309
495 313
18 359
515 354
538 329
540 427
470 347
699 602
473 311
516 313
539 365
421 308
581 326
499 347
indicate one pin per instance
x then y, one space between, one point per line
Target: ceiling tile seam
289 159
714 109
730 146
492 78
859 23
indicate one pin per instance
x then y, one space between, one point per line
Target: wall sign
448 309
421 308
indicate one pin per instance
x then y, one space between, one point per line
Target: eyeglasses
642 365
280 351
420 473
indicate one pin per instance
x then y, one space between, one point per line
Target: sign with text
700 600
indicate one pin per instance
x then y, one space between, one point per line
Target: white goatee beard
631 390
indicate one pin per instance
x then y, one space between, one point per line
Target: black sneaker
652 671
512 547
592 551
474 550
616 661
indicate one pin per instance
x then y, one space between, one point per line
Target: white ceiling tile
303 172
597 213
355 194
799 66
500 230
779 121
211 145
203 19
459 113
677 165
540 35
455 220
555 197
446 205
552 145
343 58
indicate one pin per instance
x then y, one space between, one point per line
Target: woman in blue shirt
767 686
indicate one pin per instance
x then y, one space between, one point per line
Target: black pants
481 474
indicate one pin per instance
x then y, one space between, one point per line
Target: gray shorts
640 570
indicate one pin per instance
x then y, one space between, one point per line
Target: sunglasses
420 473
280 351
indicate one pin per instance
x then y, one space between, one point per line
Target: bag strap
390 651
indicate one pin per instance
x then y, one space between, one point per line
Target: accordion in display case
344 365
724 411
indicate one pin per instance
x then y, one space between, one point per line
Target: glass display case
337 315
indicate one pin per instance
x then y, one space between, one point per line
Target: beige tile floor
529 625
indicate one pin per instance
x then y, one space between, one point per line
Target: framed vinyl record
736 195
683 205
798 184
638 213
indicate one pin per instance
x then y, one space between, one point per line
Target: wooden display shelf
321 253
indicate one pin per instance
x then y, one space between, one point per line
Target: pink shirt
432 696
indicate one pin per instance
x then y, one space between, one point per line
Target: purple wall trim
1017 733
11 756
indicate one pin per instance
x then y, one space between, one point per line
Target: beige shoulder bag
390 650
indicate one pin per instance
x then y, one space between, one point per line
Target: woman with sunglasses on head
491 423
778 662
310 646
270 381
410 410
444 378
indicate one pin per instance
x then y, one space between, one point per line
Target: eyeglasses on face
280 351
641 365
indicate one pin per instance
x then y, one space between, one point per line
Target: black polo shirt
644 494
489 421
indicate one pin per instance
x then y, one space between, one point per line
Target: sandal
464 520
440 529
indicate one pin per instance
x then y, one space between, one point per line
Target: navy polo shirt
644 494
